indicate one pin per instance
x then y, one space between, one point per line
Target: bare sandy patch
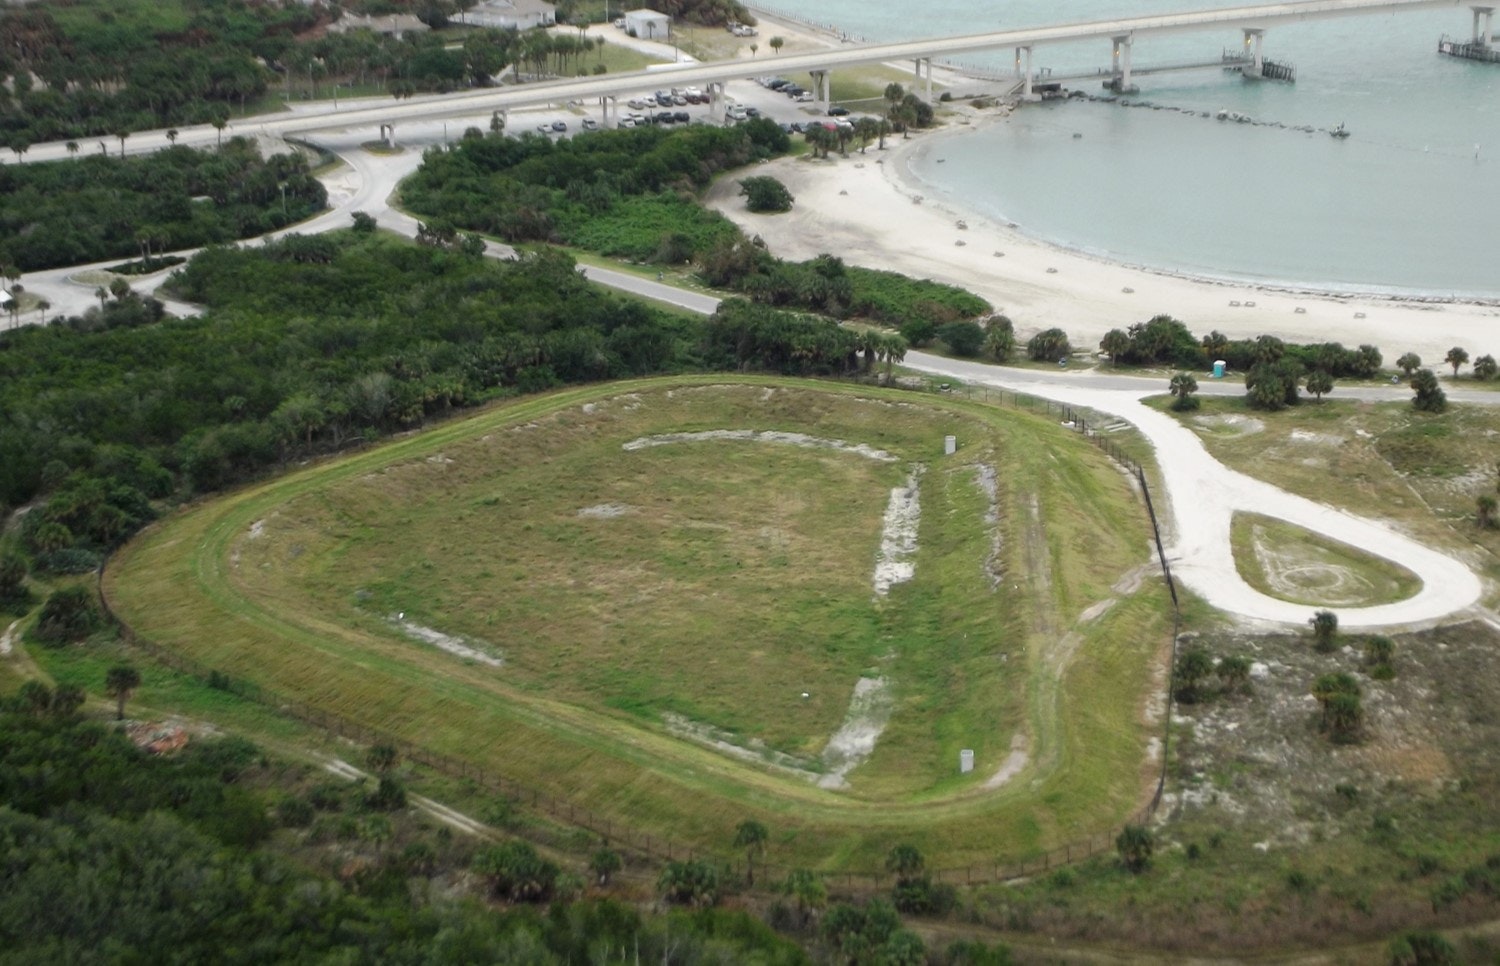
728 743
1012 765
257 529
896 563
7 639
457 646
605 511
988 481
1231 423
869 711
761 436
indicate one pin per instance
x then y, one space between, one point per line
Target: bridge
1252 21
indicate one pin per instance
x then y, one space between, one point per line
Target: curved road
1202 494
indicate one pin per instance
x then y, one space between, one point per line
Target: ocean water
1409 203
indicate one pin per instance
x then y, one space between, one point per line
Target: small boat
1340 132
1223 114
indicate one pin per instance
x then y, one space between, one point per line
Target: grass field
633 630
1284 561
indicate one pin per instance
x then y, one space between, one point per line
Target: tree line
631 194
311 344
114 854
94 208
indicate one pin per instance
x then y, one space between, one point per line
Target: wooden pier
1469 50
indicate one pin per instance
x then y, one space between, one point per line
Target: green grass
1289 563
740 581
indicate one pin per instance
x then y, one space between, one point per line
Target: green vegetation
1428 396
95 208
210 878
577 687
628 194
1049 345
308 343
765 194
1284 561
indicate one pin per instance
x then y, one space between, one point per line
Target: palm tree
605 863
754 49
895 351
382 758
807 890
1183 385
1456 357
72 147
120 682
776 44
172 135
220 121
1116 343
1215 344
122 134
42 305
1135 843
750 836
1318 383
905 862
1485 367
1409 363
1325 625
999 338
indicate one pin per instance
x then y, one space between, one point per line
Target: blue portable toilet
1219 365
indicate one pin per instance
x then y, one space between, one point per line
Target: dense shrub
69 615
96 207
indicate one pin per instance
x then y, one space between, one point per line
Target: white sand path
1203 495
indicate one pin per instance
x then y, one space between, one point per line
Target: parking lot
776 98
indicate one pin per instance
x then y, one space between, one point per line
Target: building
392 25
510 14
648 25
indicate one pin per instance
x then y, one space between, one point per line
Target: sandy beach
872 211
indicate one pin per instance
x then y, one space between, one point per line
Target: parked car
803 97
664 117
681 117
736 113
620 22
589 124
543 128
627 122
752 111
559 126
777 83
838 110
792 90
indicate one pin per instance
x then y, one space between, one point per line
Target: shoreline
1042 284
873 212
909 180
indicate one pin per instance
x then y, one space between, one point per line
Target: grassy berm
680 636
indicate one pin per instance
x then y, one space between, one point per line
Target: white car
804 97
736 113
589 124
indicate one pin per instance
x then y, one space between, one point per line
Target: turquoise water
1409 203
